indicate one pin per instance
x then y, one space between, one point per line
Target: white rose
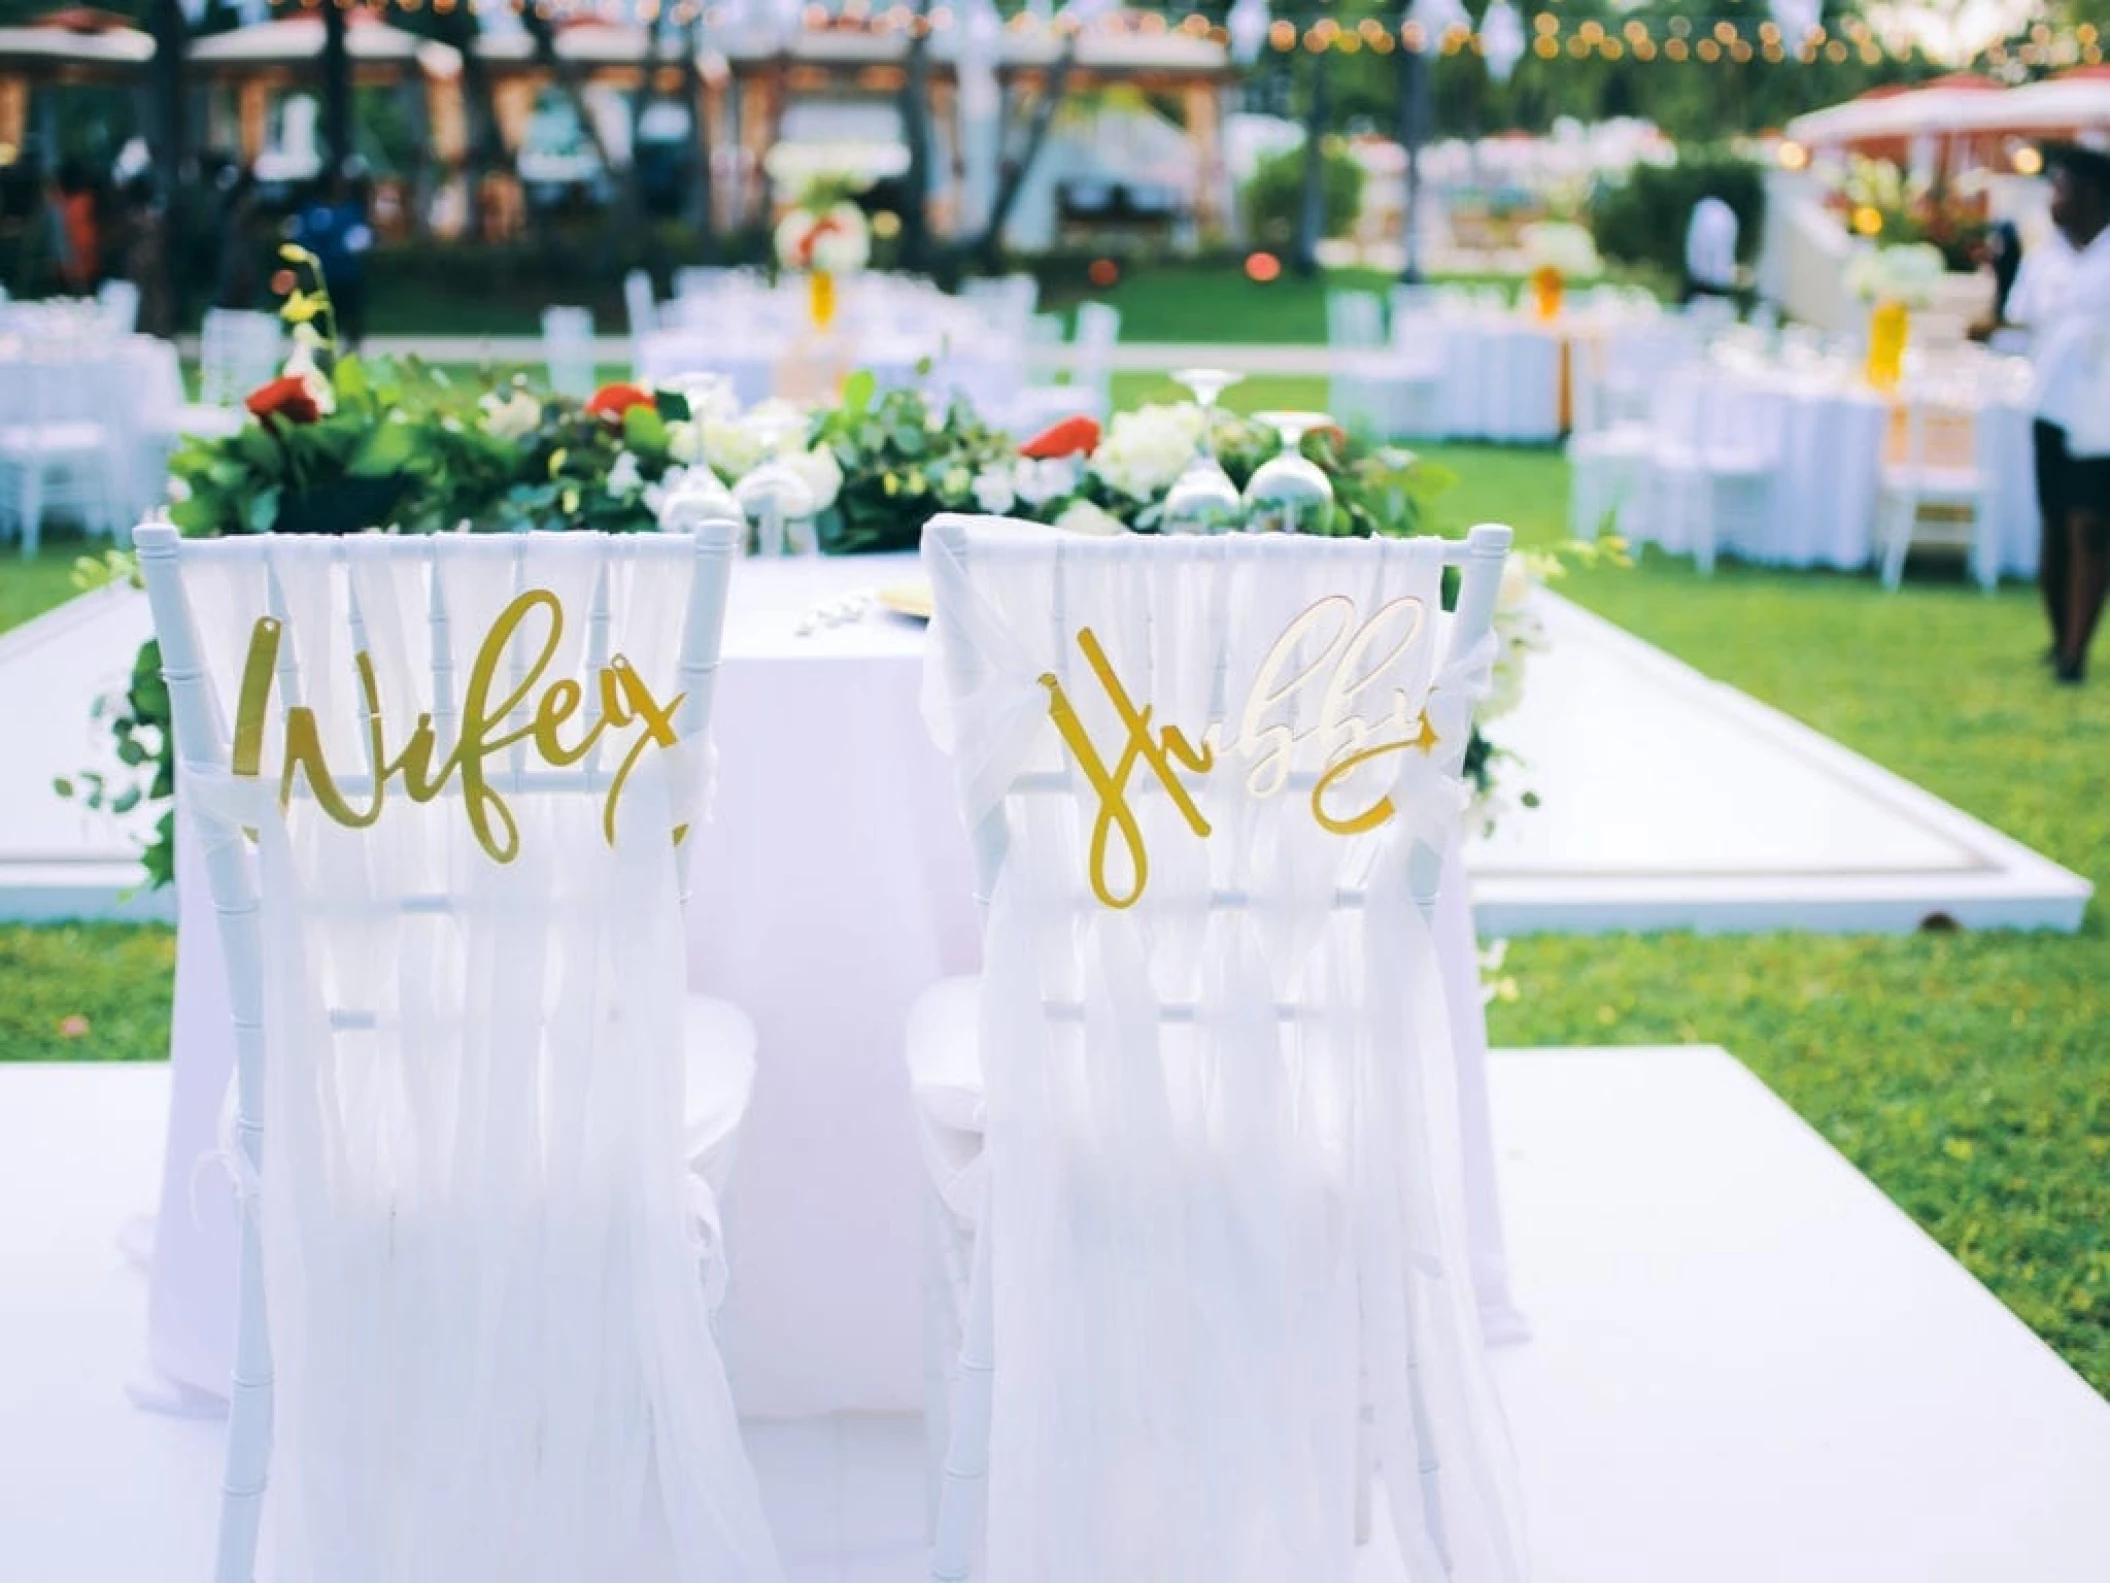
512 417
822 473
1518 584
300 362
1084 517
685 441
1145 450
624 478
1037 483
995 491
730 447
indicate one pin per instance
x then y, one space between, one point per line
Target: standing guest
2062 297
146 256
334 228
1710 250
81 264
235 229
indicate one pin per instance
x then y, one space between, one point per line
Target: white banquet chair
117 307
463 1116
1089 389
567 350
1932 491
237 352
1710 445
58 451
1193 1134
643 311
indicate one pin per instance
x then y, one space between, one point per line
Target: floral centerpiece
1895 280
1558 251
336 445
824 237
1881 203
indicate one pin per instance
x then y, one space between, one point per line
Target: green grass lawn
31 585
1968 1074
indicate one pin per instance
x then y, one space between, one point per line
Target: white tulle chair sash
1226 1193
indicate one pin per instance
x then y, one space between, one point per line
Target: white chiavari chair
1932 491
1712 450
117 307
58 449
1199 1237
1089 389
477 1256
237 352
567 350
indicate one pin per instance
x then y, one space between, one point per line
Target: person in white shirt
1710 249
2062 296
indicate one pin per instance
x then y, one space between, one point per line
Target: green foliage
1274 197
1643 219
902 463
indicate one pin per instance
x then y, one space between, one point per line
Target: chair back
567 348
237 351
118 305
637 301
1355 321
1092 350
441 784
1200 773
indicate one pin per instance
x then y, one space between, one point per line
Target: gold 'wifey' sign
1351 663
625 701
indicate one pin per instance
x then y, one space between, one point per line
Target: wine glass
700 497
772 496
1203 499
1288 493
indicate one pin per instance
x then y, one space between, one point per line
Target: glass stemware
1289 493
776 501
1203 499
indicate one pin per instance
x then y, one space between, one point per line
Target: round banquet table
832 885
1829 433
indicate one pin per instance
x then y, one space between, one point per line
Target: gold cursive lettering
626 700
1112 786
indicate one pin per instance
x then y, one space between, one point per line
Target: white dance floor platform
1747 1365
1667 801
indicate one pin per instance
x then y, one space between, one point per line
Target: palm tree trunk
915 130
1311 211
1413 131
480 150
704 196
336 88
166 132
988 250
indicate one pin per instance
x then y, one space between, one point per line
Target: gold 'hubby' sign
423 772
1352 660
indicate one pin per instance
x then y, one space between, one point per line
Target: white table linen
833 884
130 384
1830 432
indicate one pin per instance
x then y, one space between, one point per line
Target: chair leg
947 1276
32 501
248 1409
1897 518
1365 1459
964 1484
1704 489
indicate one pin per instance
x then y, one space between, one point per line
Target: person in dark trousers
2062 296
334 228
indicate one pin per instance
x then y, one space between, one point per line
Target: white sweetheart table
833 884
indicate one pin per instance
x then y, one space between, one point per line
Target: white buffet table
833 884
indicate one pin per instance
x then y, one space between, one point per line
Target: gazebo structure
1960 123
766 97
77 47
250 70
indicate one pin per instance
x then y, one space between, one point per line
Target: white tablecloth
833 884
1830 435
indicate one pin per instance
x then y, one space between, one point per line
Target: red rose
286 397
1071 437
612 401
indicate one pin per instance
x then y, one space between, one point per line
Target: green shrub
1275 194
1643 219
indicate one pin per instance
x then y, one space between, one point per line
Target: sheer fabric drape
493 1348
1225 1191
